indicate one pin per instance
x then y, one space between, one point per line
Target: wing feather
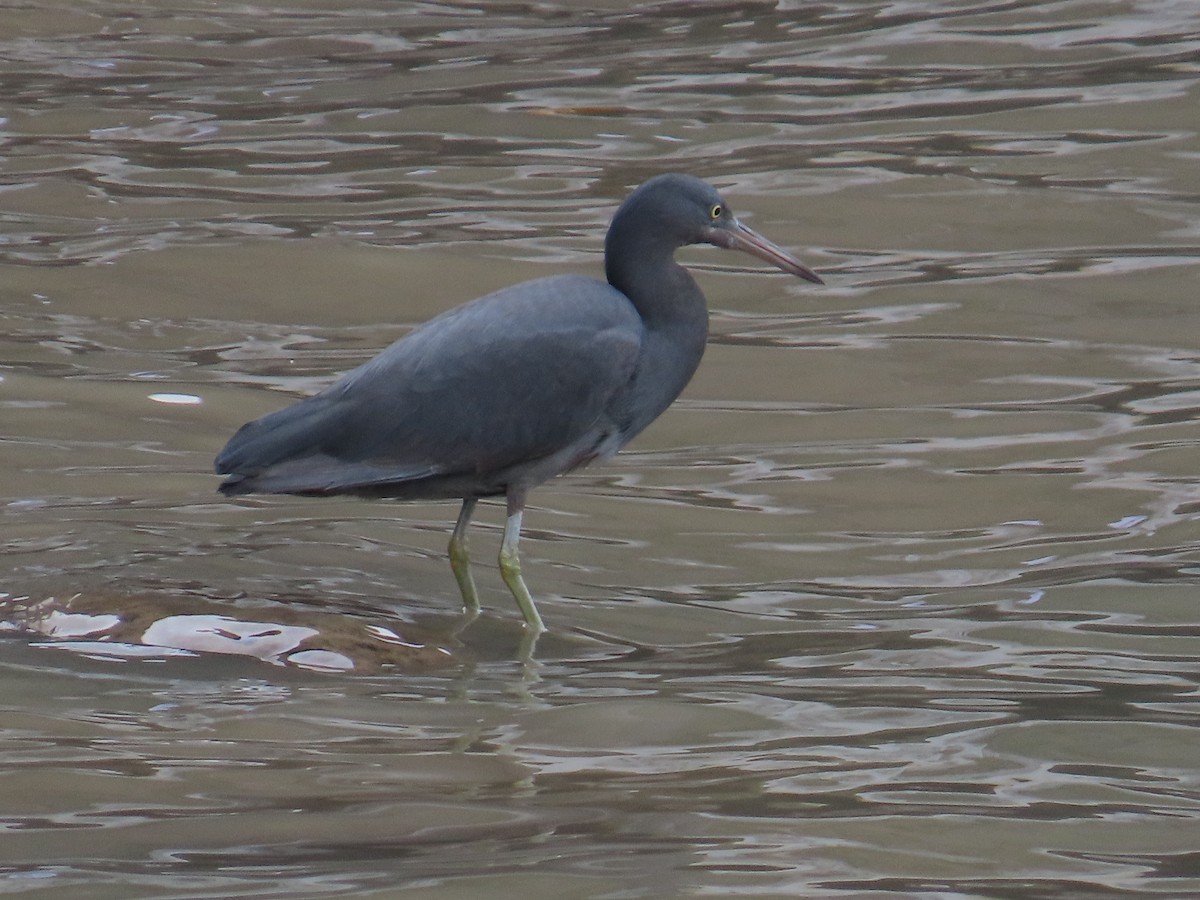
509 378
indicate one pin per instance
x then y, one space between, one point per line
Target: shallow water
900 597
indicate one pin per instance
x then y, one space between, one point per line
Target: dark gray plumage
502 393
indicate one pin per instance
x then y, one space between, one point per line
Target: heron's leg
460 559
510 563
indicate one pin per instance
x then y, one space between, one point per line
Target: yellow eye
716 211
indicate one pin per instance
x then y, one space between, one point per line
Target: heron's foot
510 571
460 559
460 564
530 667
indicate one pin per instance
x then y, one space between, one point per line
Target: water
899 599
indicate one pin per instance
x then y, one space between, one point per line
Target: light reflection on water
898 599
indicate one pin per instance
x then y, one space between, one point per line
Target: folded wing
513 377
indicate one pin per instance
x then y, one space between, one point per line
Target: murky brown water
900 599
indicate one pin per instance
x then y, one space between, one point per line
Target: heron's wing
510 378
319 473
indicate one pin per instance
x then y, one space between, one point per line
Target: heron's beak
736 236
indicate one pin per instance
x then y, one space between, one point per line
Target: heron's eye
716 211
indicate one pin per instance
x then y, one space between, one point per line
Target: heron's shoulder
573 297
546 315
559 303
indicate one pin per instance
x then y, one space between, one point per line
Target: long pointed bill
737 236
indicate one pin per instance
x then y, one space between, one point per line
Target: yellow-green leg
510 564
460 558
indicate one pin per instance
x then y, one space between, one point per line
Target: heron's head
677 210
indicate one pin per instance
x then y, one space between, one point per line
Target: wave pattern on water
900 598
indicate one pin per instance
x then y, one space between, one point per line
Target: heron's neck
643 268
